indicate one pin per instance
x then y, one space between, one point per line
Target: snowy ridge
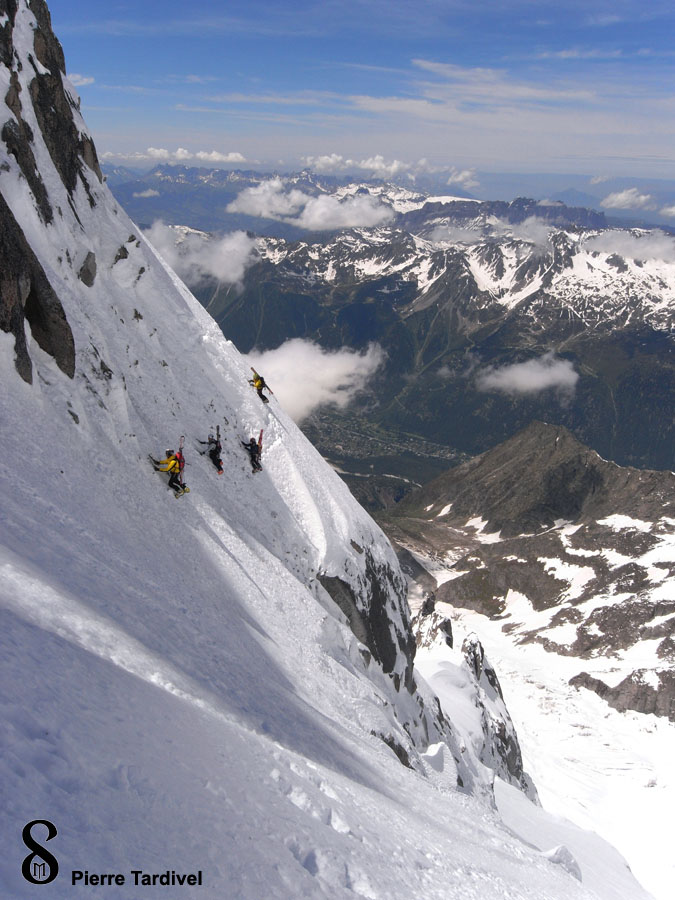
584 284
179 689
564 278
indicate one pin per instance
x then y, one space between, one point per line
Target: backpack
180 459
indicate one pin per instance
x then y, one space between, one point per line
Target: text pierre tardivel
137 877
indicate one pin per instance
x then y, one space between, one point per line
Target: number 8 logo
30 869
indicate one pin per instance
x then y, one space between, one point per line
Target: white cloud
215 156
150 192
195 256
631 198
381 168
270 200
668 211
451 234
464 177
331 162
599 179
181 154
80 80
304 376
326 212
533 231
200 79
577 53
531 377
375 166
641 245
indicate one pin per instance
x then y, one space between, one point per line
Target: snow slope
178 691
609 772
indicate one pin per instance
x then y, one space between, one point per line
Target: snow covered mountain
578 557
217 687
458 293
562 273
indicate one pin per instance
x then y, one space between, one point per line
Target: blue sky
494 86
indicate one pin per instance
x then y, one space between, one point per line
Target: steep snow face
149 364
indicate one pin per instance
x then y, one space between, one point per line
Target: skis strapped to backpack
256 463
181 465
219 462
261 386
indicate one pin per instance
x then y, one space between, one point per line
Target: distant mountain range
491 313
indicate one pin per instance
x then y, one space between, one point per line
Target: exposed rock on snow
643 690
26 296
368 614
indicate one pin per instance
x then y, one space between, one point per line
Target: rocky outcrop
38 105
27 296
87 273
643 691
368 610
18 138
431 627
488 727
500 748
53 106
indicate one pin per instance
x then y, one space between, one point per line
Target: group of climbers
174 461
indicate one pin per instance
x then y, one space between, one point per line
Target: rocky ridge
569 550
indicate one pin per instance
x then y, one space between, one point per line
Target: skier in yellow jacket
259 383
171 465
